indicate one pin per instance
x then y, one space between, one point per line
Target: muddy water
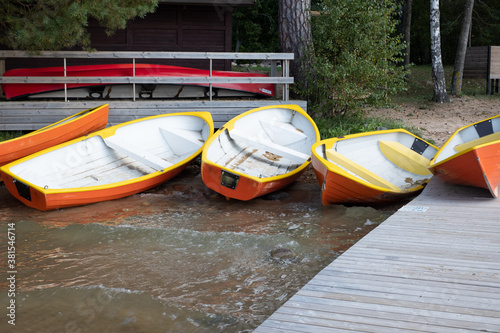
179 258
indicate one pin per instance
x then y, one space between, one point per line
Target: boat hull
364 169
478 168
15 91
259 152
98 161
69 128
471 156
338 189
248 187
44 201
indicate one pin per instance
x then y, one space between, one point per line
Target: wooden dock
434 266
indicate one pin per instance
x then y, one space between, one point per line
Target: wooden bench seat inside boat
182 141
404 157
283 133
476 142
359 170
271 147
137 153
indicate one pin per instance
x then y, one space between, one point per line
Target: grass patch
421 87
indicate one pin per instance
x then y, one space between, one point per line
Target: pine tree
39 25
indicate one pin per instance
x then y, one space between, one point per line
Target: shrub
354 57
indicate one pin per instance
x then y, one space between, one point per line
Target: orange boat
259 151
371 168
111 163
69 128
471 156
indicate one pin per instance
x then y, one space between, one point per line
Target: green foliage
7 135
485 27
38 25
255 28
353 60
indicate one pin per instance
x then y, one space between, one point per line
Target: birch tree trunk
440 95
407 29
458 69
295 33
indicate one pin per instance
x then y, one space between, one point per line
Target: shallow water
179 258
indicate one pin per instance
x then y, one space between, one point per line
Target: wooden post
2 70
65 84
488 80
133 75
210 85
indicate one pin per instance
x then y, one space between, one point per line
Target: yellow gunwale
230 125
336 169
104 133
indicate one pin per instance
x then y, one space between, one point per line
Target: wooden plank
147 55
144 79
137 153
392 313
434 270
283 151
476 62
35 115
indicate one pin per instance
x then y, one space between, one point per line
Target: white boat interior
395 160
474 135
265 143
135 150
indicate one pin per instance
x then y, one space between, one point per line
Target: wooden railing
285 59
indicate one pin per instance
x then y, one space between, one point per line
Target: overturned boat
109 91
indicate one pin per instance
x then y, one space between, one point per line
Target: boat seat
182 141
137 153
293 155
404 157
284 133
476 142
358 170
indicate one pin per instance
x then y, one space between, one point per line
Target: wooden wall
483 62
495 62
186 28
476 62
28 116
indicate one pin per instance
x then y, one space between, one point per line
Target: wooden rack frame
285 58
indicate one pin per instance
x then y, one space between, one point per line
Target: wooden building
176 26
483 62
194 33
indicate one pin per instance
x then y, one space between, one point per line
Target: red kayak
98 90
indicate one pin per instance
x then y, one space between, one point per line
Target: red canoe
67 129
471 156
16 90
